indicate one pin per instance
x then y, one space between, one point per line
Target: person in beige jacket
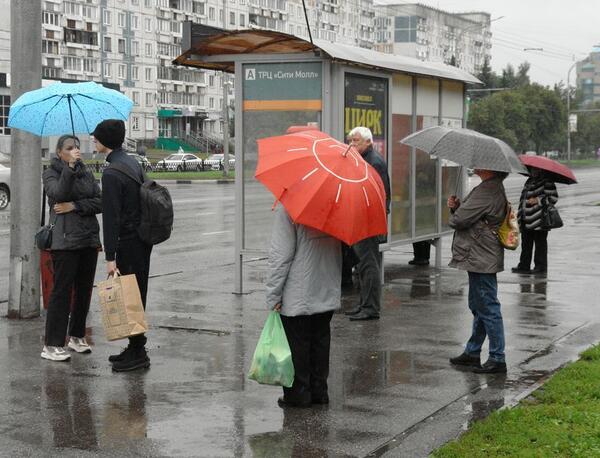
477 250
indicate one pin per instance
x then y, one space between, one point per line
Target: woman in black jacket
537 192
74 199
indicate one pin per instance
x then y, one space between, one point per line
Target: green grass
560 419
207 175
576 163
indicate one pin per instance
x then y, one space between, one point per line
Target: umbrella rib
82 115
48 112
104 101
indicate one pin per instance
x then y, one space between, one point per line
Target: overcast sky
561 27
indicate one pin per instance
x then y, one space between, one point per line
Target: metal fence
183 166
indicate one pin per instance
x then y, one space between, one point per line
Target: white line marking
353 154
338 193
366 197
297 149
310 173
215 233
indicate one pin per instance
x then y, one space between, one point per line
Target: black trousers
73 270
369 274
529 239
133 257
309 337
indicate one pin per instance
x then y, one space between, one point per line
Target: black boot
136 358
120 356
491 367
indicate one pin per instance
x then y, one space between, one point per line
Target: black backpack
156 207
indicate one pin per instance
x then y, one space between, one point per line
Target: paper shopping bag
122 308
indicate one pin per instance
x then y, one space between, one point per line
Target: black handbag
43 237
550 217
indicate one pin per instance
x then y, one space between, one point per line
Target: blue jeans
487 318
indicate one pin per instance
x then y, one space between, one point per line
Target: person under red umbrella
537 192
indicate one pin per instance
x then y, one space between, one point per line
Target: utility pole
569 111
25 162
226 84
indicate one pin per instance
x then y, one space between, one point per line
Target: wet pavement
392 390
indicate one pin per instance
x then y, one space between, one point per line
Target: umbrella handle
458 180
345 153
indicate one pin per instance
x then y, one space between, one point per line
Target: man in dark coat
367 250
125 251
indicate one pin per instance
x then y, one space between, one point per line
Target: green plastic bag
272 362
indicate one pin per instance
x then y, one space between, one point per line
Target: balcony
82 37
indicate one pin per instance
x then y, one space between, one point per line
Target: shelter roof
203 43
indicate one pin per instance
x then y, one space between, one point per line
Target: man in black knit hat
124 250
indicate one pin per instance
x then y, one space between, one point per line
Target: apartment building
430 34
588 77
129 45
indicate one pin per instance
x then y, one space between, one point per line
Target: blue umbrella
80 106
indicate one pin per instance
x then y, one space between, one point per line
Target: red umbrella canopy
554 171
324 184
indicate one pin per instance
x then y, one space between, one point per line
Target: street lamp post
569 111
226 84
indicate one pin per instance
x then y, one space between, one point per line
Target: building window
50 18
121 69
405 29
4 107
135 23
121 19
148 74
148 24
107 17
73 64
211 102
135 48
232 18
149 99
107 70
135 96
89 12
121 45
243 21
72 8
71 23
135 73
135 124
211 80
148 3
50 47
90 65
211 13
148 48
107 44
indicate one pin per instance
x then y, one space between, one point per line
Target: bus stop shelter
282 80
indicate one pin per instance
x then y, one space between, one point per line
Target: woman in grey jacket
303 283
74 199
477 250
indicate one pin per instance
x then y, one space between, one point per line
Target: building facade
588 77
131 43
430 34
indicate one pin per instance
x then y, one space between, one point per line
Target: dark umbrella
553 170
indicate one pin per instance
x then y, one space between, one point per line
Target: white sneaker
79 345
55 353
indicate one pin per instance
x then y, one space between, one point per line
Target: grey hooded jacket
305 268
475 247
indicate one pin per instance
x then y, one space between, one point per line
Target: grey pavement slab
393 392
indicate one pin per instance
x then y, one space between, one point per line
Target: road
203 235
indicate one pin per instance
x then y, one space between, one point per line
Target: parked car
4 187
215 161
180 162
143 161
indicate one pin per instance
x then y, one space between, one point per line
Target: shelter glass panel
275 97
426 200
401 211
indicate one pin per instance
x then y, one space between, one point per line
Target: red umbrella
324 184
554 171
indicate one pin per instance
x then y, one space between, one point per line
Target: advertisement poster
365 104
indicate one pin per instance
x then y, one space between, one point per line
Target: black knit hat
110 132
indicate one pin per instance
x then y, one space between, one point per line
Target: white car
180 162
215 161
4 187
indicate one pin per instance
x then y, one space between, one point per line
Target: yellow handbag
508 232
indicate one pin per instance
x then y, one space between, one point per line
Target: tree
487 76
